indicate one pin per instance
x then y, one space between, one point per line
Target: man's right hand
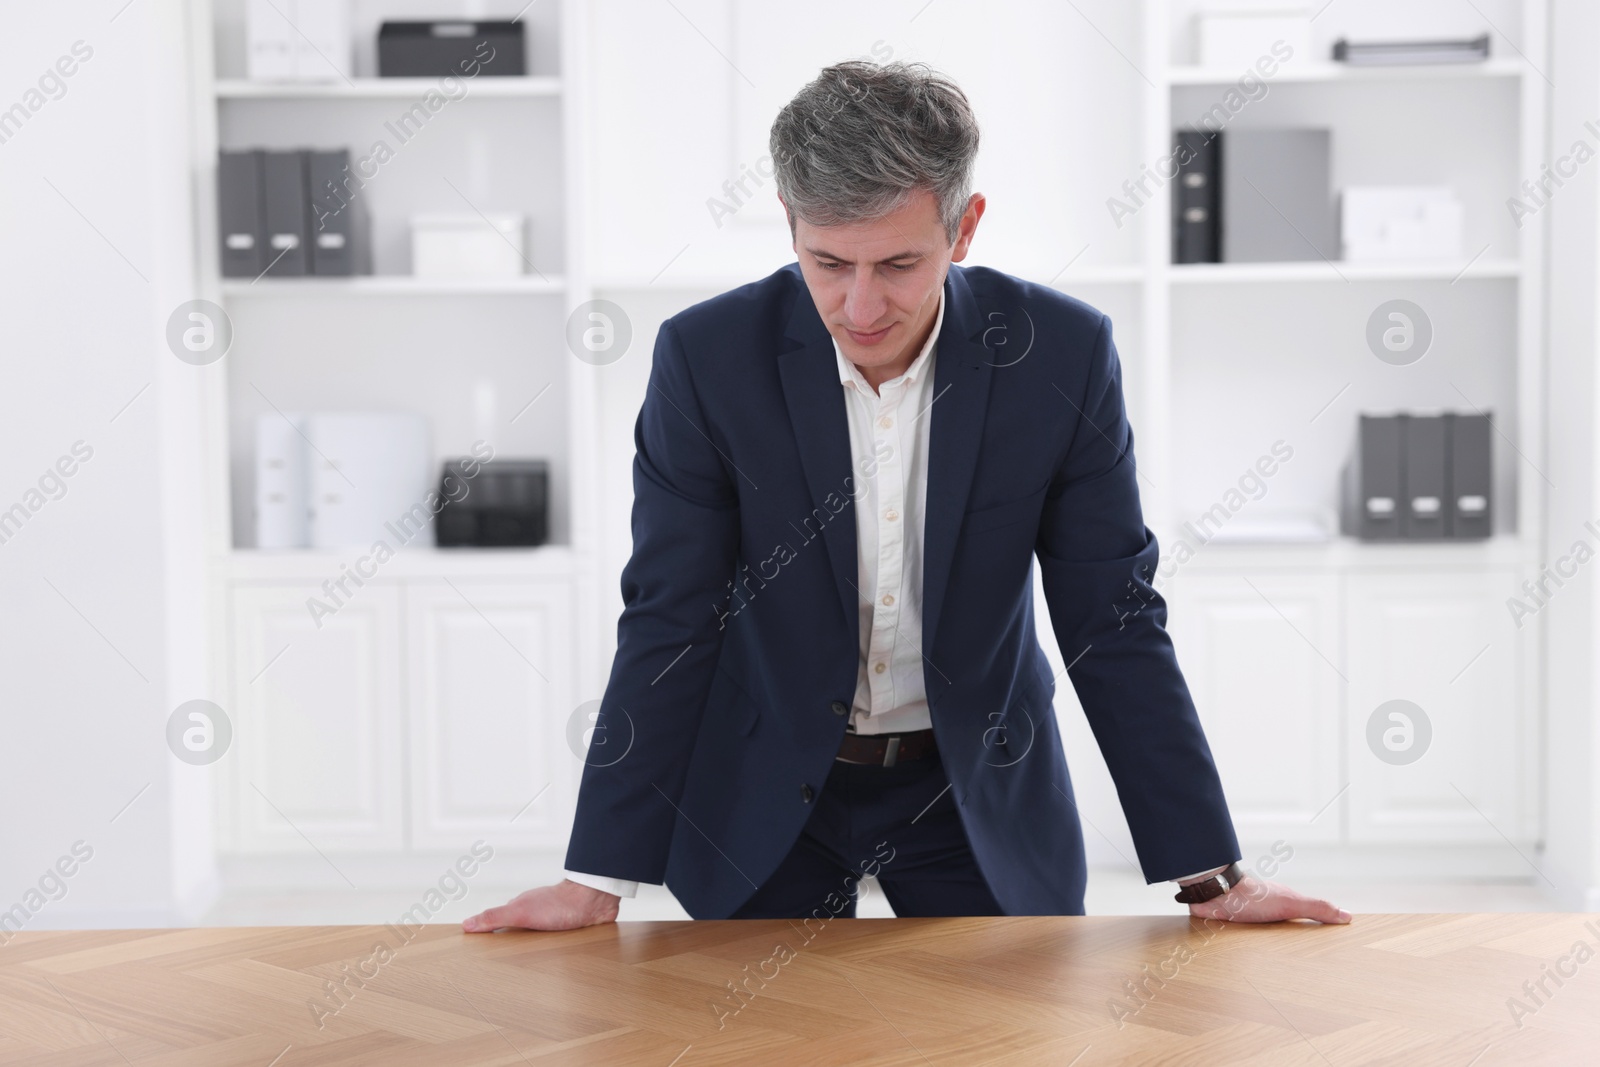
566 906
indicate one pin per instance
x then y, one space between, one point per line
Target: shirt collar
848 373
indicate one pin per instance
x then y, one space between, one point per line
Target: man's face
876 284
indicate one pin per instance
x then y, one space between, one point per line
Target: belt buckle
891 751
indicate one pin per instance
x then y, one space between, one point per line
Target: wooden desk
1392 989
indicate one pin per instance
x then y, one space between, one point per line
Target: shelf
1349 554
314 565
1339 72
1322 271
396 285
385 88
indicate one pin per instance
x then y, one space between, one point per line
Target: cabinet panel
318 716
491 673
1440 641
1261 654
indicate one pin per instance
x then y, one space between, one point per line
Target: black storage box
504 504
456 47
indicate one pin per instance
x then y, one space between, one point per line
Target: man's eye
902 267
828 266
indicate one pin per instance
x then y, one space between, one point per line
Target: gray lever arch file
332 208
1372 489
1471 500
287 213
241 228
1423 514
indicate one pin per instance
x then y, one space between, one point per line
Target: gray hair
859 140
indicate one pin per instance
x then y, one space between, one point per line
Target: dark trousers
898 823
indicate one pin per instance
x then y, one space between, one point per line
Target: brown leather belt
885 750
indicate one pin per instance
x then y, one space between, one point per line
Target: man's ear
969 227
794 241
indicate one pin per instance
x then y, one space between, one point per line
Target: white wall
674 120
1572 749
97 642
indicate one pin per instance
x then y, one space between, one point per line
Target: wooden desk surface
1386 989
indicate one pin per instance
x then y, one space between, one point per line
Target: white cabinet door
318 720
1443 643
1262 657
492 680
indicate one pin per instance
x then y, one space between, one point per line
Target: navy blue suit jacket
739 630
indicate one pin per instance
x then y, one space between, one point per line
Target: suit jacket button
806 794
840 707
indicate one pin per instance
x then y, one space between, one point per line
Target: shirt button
886 422
839 707
806 794
880 667
891 514
888 598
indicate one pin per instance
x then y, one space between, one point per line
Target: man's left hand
1255 901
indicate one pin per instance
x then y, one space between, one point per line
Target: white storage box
1241 38
1400 222
283 502
371 473
297 40
467 246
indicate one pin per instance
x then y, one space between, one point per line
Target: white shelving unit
1290 647
430 708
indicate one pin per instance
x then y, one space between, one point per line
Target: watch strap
1210 888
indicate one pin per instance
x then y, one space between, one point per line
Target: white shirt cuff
617 887
1201 874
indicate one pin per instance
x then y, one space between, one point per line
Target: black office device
286 213
239 221
505 503
464 49
1197 198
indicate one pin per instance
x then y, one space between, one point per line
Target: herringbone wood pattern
1387 989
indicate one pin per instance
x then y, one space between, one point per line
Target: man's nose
864 304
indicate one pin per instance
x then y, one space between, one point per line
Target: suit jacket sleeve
685 544
1097 559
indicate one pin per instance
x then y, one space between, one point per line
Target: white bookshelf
1498 277
1232 356
438 638
1218 359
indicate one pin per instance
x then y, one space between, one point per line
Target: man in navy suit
827 667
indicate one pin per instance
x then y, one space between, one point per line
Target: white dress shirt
889 471
889 480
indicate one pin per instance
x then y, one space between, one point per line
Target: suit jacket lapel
961 376
816 406
815 399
